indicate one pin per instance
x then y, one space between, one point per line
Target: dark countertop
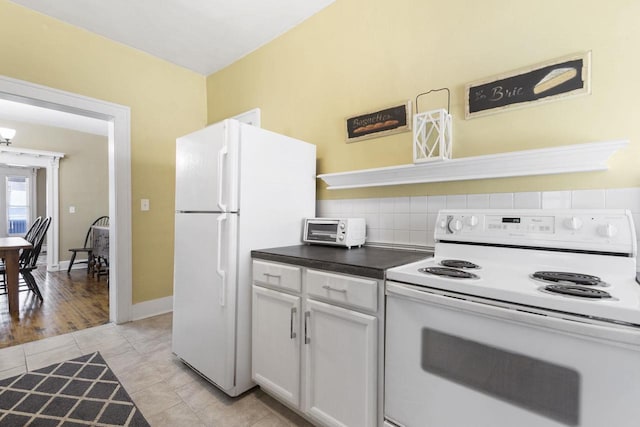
365 261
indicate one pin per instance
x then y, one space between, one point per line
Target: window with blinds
18 205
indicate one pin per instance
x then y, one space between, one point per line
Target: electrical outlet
72 209
144 204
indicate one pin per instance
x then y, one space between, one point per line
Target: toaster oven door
321 231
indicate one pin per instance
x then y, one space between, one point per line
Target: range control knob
607 230
340 237
455 225
573 223
472 221
342 225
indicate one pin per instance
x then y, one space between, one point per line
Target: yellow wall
354 56
166 101
359 55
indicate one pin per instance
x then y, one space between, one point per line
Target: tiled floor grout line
24 356
159 379
273 412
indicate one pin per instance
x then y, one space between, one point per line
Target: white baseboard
77 265
145 309
139 311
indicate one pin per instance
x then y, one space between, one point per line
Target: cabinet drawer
353 291
278 275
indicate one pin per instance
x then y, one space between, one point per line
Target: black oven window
322 232
547 389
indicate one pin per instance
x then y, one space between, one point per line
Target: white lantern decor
432 136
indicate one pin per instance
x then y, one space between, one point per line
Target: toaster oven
345 232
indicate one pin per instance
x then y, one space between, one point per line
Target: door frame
50 162
118 118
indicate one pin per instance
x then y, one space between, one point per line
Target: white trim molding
564 159
50 160
118 118
251 117
27 156
151 308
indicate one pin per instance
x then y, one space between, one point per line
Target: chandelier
6 135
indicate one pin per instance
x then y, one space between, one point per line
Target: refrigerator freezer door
204 328
207 169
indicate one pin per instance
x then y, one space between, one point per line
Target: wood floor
71 302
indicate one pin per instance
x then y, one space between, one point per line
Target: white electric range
522 317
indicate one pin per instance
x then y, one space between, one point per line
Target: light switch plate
144 204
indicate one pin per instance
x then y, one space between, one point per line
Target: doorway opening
117 118
27 162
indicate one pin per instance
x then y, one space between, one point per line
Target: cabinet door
276 343
341 365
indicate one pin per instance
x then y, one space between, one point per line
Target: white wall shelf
564 159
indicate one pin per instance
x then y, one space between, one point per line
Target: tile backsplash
411 220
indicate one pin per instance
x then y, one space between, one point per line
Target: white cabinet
276 342
350 291
277 275
341 365
317 350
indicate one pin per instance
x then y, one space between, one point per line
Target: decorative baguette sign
552 80
387 121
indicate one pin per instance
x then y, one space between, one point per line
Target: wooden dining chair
31 233
28 261
29 236
87 249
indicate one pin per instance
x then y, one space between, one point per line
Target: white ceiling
201 35
26 113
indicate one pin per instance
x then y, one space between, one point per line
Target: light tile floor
166 391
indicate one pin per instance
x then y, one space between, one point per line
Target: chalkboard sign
379 123
555 79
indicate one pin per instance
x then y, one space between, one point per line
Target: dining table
10 248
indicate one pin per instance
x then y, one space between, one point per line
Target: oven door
451 362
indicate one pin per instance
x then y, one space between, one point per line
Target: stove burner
569 278
448 272
458 263
577 291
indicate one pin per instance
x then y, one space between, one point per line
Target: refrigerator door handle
219 270
221 155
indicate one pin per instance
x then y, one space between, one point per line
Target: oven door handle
513 313
400 290
451 300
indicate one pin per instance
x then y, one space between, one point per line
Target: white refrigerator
238 188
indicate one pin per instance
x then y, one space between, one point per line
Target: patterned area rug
78 392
